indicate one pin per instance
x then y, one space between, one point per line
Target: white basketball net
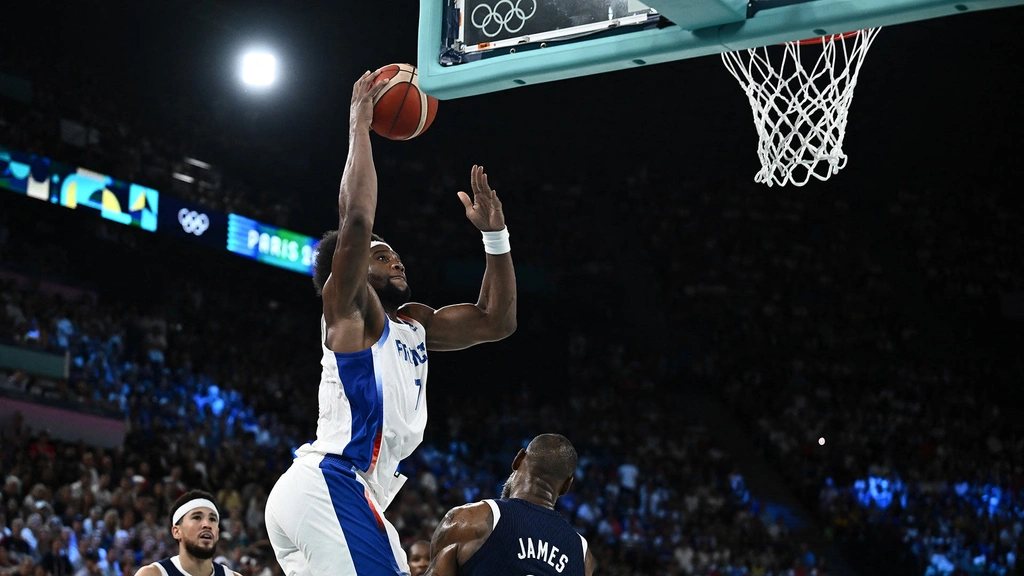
800 112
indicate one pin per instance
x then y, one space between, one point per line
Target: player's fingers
357 87
377 88
481 186
467 202
374 76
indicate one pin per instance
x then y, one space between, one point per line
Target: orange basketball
401 110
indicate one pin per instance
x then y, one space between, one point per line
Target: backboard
470 47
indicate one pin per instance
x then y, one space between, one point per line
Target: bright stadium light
259 69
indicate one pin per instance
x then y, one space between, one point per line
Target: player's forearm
498 295
357 200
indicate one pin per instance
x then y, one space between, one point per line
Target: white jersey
373 405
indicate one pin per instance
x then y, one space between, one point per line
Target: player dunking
521 533
325 515
195 524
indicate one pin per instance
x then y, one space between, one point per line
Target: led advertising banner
134 205
26 174
193 222
271 245
79 189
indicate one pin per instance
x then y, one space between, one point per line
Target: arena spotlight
259 69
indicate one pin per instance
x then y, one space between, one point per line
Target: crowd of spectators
793 331
870 347
655 499
868 337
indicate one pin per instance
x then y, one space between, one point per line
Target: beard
392 296
200 553
506 490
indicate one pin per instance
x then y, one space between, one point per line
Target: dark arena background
758 381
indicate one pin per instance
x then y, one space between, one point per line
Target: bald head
551 457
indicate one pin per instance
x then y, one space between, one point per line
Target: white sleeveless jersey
373 405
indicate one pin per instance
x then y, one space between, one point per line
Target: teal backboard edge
769 26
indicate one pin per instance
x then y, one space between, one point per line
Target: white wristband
497 242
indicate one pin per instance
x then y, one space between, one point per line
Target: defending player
521 533
195 524
325 515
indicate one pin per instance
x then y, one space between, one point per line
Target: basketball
401 111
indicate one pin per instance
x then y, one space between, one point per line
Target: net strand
800 113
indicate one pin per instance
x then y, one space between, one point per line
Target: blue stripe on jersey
360 378
378 432
365 536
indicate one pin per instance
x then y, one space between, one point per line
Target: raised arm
493 317
459 535
346 293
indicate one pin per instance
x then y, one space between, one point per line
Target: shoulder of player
149 570
228 571
469 521
419 312
152 570
354 330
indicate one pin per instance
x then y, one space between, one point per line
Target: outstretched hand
484 209
363 93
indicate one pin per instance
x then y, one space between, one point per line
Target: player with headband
195 524
325 515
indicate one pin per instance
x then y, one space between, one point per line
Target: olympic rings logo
193 222
505 15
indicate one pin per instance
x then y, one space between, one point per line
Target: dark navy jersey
528 540
169 567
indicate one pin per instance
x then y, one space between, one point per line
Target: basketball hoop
800 112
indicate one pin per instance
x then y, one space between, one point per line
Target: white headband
192 505
375 243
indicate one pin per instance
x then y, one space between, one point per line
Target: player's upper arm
459 535
454 327
346 290
149 570
590 563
